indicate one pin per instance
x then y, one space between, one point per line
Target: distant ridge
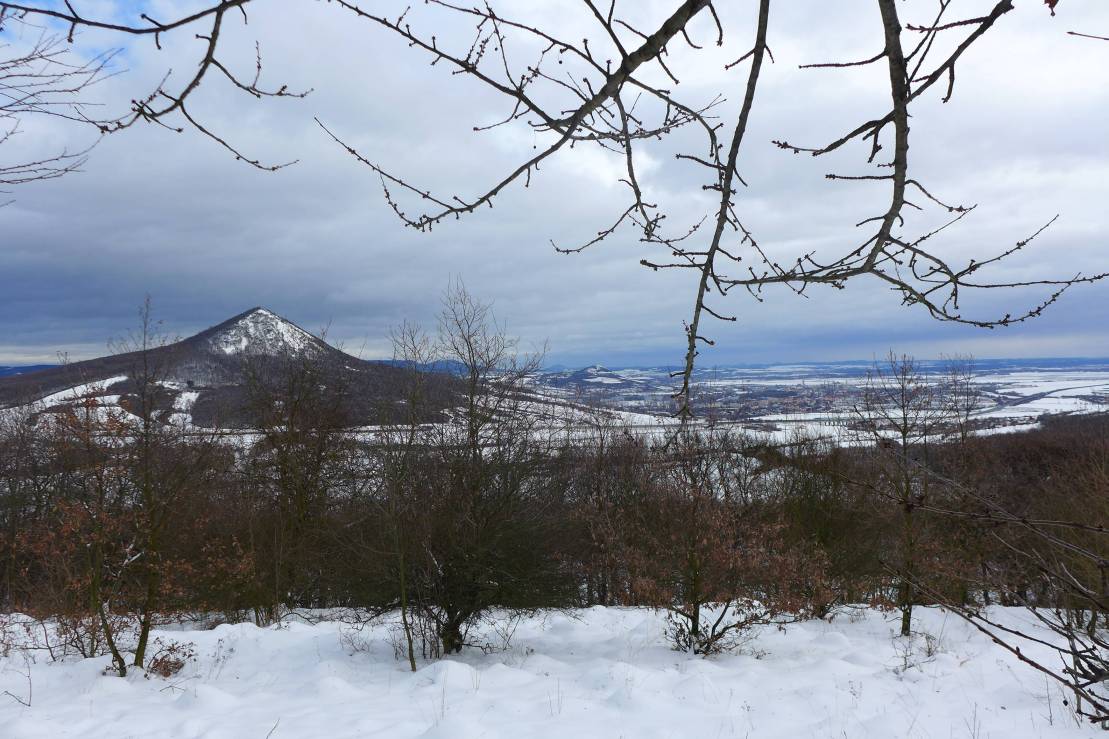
22 369
445 366
980 362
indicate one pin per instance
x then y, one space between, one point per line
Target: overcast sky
1026 137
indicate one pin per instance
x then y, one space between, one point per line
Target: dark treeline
113 521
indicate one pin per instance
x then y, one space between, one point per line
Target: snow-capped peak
260 331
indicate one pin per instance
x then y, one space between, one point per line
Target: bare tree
166 104
23 490
83 546
484 496
42 78
619 108
900 414
699 547
164 458
1058 542
397 450
962 396
616 89
301 462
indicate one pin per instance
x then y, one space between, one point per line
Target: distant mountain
594 378
206 375
22 369
444 366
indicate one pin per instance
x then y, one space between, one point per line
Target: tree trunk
451 636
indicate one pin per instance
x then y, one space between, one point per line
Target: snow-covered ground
595 673
78 392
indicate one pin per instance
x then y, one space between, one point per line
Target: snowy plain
601 672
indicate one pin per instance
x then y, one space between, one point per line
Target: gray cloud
173 215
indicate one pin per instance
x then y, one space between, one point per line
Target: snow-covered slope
593 674
590 378
261 332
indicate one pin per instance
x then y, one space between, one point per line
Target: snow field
593 673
